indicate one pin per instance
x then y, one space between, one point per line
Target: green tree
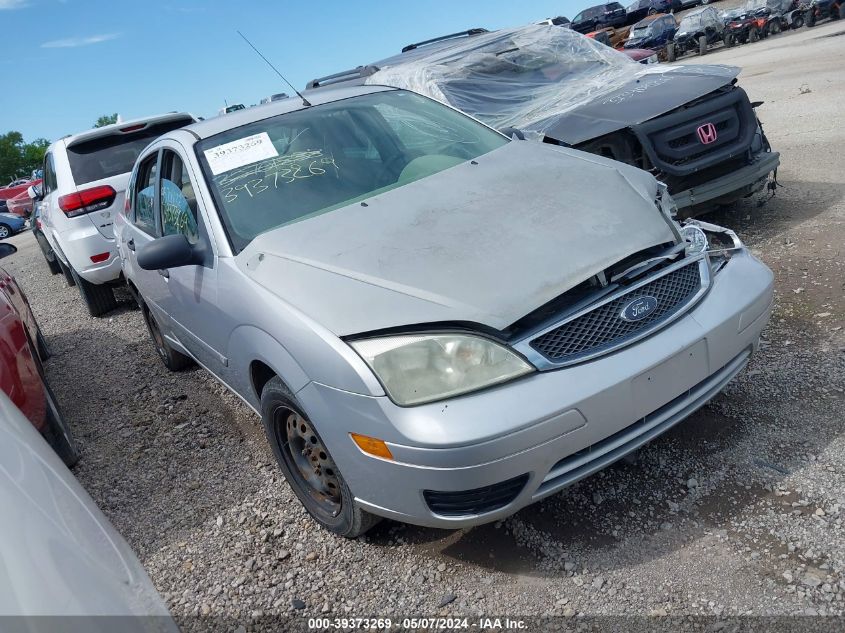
18 158
106 119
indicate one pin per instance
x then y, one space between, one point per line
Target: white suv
85 179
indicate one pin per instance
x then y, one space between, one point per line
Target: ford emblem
639 309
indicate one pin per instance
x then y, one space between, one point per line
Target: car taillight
100 257
87 201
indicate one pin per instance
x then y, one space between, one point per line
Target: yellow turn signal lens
372 446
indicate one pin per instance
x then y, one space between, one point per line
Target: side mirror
170 251
35 193
7 249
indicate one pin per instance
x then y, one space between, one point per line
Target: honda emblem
707 133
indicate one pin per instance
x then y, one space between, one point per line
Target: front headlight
417 368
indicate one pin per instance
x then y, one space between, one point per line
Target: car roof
122 127
651 18
215 125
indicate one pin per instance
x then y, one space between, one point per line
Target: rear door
141 228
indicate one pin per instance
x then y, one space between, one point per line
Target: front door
190 298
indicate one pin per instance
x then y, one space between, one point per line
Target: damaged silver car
436 323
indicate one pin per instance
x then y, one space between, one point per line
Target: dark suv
690 126
600 16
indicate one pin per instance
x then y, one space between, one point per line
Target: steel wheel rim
309 460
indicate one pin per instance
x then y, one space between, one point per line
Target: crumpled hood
645 95
484 243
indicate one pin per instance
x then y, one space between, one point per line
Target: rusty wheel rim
316 471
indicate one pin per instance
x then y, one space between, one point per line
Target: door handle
164 273
130 245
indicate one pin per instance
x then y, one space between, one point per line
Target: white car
60 555
85 178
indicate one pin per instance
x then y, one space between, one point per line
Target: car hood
484 242
643 96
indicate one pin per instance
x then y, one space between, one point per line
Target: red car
22 378
20 205
7 193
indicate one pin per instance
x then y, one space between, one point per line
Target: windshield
691 23
294 166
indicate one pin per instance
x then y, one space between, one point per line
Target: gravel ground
737 511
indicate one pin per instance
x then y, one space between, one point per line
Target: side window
143 195
178 200
50 184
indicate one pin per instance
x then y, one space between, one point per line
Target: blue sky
66 62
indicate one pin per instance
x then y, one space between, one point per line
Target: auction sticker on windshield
244 151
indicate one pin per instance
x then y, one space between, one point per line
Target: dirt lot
737 511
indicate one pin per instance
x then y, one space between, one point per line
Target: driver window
178 200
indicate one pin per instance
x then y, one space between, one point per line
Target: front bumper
554 427
731 187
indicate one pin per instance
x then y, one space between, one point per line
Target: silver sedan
436 324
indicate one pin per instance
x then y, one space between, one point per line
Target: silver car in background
436 324
60 555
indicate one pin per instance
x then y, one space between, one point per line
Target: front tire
702 45
811 18
311 472
798 22
730 41
5 231
98 298
671 55
753 36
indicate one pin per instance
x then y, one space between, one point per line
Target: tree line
18 159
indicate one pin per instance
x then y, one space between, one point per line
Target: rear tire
670 52
702 45
5 231
41 346
730 41
336 510
810 20
98 298
54 267
798 22
753 35
841 12
66 272
172 359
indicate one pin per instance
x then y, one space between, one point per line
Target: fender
248 343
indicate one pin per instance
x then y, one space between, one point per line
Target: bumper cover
556 427
741 182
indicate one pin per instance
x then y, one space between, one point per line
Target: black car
821 9
600 16
643 8
653 32
691 126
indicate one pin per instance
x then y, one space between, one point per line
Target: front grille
672 143
603 327
476 501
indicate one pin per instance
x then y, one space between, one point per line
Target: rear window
115 154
